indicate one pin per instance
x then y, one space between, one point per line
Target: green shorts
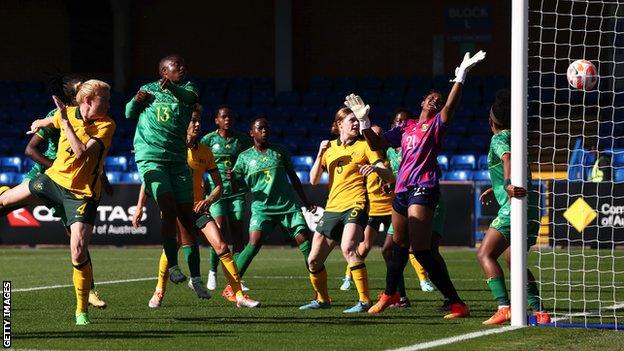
292 224
439 215
162 177
34 172
332 223
72 209
502 223
376 221
201 219
232 207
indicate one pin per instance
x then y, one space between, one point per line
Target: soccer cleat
156 299
245 301
83 319
211 284
197 285
384 302
315 305
228 293
404 302
359 307
458 310
347 282
427 286
503 315
95 300
243 286
446 306
542 317
176 275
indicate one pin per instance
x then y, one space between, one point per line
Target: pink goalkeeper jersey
420 144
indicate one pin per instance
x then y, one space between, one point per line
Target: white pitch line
71 285
454 339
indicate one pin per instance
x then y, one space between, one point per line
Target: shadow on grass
89 333
323 320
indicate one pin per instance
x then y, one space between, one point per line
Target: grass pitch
43 319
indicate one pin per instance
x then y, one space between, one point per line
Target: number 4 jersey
266 174
163 120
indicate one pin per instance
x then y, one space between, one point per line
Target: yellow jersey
81 177
347 187
200 160
380 202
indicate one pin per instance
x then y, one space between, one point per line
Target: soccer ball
582 74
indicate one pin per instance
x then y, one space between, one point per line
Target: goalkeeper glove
466 65
356 104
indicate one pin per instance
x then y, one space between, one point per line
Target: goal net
576 151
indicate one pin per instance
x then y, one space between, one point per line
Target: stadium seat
9 178
458 175
463 162
617 157
10 164
618 175
443 162
483 162
130 178
116 164
324 178
114 177
302 163
304 177
481 176
27 164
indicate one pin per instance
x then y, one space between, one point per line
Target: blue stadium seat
130 178
27 164
617 177
304 177
10 164
9 178
114 177
443 162
463 162
483 162
458 175
481 176
302 163
116 164
324 178
617 157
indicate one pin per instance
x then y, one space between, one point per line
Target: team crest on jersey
252 163
216 146
424 127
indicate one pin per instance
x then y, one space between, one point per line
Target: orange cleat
384 302
503 315
228 293
542 317
458 310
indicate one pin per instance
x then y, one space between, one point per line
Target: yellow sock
163 272
360 278
348 272
319 283
231 272
418 268
82 277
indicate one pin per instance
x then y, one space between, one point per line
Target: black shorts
427 197
376 221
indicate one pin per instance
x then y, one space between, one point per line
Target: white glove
466 65
356 104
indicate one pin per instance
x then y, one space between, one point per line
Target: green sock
191 253
305 250
499 290
235 255
170 245
214 259
245 257
401 287
533 298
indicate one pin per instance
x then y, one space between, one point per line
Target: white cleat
347 282
427 286
212 280
245 301
197 285
156 299
244 287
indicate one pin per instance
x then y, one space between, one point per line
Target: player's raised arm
32 151
460 75
317 167
137 104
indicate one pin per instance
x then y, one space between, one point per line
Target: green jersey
394 156
163 120
51 135
225 152
500 145
266 174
